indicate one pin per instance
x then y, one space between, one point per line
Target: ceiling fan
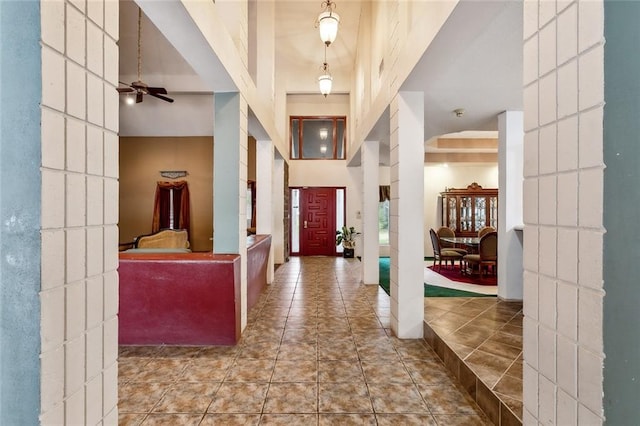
139 87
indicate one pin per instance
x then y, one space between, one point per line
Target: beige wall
437 177
79 287
388 33
563 205
141 160
326 172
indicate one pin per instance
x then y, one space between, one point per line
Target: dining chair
444 232
487 256
440 253
485 230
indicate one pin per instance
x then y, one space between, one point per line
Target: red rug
454 275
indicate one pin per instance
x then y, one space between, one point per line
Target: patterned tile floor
317 351
486 333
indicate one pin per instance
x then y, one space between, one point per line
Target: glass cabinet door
480 213
453 212
466 218
493 211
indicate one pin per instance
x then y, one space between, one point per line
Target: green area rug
429 290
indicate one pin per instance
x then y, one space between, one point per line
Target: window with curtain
171 207
383 214
251 206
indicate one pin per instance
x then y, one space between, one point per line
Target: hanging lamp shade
328 25
325 81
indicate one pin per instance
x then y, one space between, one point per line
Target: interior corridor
317 350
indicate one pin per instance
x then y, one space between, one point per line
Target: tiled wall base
495 409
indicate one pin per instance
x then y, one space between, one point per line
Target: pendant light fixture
327 23
325 80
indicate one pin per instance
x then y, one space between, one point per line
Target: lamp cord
325 58
139 43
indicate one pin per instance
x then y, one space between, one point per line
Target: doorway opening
316 214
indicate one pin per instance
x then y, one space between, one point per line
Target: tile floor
317 350
481 338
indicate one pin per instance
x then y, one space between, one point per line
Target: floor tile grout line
505 372
347 297
477 349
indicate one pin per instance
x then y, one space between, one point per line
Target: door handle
305 224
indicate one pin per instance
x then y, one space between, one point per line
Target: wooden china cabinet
468 210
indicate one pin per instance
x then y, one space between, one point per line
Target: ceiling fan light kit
139 87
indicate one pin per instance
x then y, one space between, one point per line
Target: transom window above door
318 138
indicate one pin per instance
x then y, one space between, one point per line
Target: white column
230 183
277 235
370 159
264 195
407 214
510 221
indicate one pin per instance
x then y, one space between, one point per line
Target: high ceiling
162 65
475 62
300 52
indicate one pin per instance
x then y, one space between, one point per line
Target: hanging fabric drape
385 192
171 207
251 185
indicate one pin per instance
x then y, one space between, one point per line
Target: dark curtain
252 186
162 208
385 192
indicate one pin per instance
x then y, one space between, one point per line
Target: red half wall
179 299
257 260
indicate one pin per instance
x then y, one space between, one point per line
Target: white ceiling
474 63
300 52
162 65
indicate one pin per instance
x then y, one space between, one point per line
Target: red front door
318 236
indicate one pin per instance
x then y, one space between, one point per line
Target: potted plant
346 237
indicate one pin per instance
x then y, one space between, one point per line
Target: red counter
179 299
188 298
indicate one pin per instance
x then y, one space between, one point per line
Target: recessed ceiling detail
467 143
461 157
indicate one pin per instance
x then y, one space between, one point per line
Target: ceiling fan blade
164 98
138 97
125 89
160 90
